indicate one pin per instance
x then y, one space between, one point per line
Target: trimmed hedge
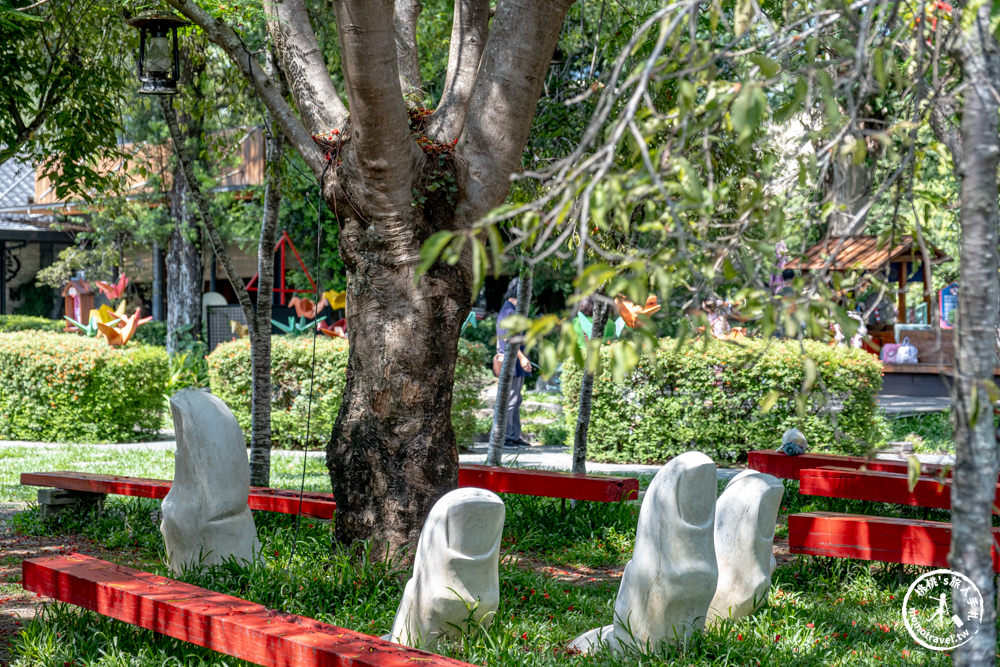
30 323
291 358
709 398
68 388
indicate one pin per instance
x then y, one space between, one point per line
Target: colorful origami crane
241 330
122 334
89 329
630 312
337 330
305 307
113 291
337 300
297 327
105 315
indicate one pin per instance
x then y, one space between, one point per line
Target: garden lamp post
159 63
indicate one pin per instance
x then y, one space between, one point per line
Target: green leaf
743 16
912 471
769 400
431 249
768 66
878 59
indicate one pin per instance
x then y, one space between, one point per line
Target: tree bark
976 464
590 369
500 415
184 270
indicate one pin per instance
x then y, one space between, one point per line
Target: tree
394 174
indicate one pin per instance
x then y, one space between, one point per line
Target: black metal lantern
159 63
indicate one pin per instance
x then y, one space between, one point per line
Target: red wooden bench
222 623
319 505
784 466
878 486
604 488
880 538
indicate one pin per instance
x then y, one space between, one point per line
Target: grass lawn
559 573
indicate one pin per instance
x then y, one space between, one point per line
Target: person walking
512 436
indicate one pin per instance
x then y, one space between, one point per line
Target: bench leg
53 501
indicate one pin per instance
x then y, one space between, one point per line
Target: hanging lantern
159 63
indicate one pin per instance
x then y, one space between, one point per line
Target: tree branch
302 62
223 35
504 97
943 122
404 23
468 39
379 125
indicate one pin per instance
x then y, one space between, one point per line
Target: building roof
17 184
840 253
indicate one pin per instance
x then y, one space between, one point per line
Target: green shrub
29 323
152 333
709 398
291 358
69 388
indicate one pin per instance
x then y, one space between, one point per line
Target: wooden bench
879 486
888 539
552 484
784 466
219 622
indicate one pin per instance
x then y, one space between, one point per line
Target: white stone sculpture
667 586
745 515
455 574
205 516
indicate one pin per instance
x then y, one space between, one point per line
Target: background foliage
68 388
727 399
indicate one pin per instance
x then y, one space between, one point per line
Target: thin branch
223 35
404 23
469 29
302 62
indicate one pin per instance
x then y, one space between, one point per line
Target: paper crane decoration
337 330
305 307
241 330
470 321
113 291
88 329
297 327
337 300
122 334
630 312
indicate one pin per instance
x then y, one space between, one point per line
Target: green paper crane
89 329
297 327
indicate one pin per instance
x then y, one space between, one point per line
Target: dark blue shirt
506 310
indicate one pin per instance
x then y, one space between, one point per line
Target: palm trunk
590 369
976 464
500 413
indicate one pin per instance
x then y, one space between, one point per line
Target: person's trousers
514 399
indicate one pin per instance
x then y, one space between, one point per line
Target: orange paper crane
113 291
630 312
305 307
120 335
337 330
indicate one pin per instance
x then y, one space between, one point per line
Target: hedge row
709 398
30 323
68 388
291 360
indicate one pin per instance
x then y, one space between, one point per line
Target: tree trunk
976 464
507 370
392 452
260 335
590 369
850 185
184 270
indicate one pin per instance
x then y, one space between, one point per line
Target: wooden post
901 296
